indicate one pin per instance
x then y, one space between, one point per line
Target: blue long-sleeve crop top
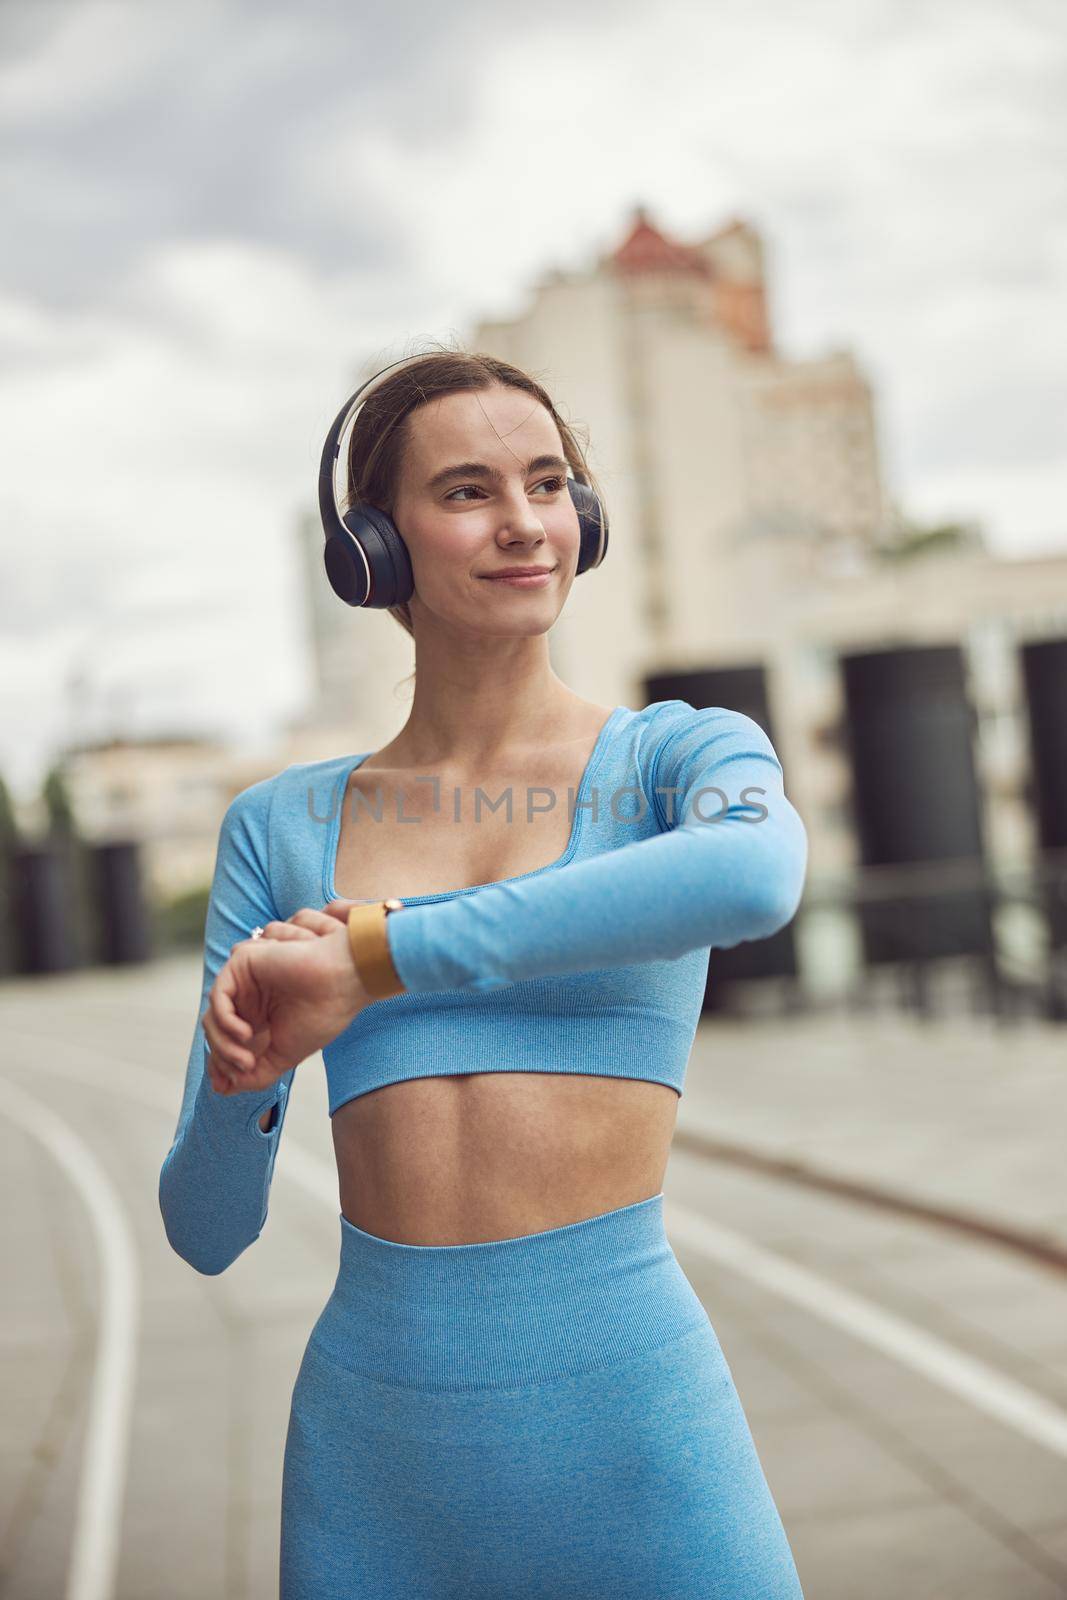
682 839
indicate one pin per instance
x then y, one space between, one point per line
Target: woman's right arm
214 1185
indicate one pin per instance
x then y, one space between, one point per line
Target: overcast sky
216 212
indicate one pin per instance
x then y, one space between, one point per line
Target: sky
217 213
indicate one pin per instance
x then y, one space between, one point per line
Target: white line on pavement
975 1381
981 1385
105 1453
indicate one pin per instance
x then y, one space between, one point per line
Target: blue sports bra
682 839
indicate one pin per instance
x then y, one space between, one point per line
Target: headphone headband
328 507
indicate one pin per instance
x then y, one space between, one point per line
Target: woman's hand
339 909
280 998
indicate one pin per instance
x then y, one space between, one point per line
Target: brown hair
376 445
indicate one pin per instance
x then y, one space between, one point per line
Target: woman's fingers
307 923
221 1081
232 1056
339 909
230 1063
238 1082
230 1035
316 923
226 1079
221 1078
236 1044
282 930
224 1008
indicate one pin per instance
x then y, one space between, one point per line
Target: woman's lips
533 580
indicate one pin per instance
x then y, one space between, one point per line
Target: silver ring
257 933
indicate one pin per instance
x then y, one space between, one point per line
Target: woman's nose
520 517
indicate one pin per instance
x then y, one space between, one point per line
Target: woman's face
506 507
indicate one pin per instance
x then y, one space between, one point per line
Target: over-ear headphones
366 559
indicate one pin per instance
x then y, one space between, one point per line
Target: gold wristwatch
369 943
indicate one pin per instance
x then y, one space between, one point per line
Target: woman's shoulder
673 730
300 783
664 719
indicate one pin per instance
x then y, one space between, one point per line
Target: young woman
513 1388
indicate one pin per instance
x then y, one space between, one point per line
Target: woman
513 1388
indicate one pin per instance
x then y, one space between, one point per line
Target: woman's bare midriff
492 1155
482 1156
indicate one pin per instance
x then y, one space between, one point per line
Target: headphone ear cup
369 566
593 525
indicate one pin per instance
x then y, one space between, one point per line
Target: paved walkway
958 1113
890 1482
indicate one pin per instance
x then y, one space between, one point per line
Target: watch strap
369 943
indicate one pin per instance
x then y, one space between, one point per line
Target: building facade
751 534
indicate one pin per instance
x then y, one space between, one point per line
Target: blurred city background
800 279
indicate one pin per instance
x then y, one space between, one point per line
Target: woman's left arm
730 867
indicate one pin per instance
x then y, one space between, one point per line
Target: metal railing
935 935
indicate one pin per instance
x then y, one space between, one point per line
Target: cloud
215 214
229 121
140 124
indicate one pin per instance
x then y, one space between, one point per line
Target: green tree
9 828
9 840
58 806
62 834
917 539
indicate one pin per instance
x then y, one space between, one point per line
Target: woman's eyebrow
479 469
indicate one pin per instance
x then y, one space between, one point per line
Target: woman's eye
552 484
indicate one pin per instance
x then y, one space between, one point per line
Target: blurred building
755 547
167 793
361 661
704 438
707 443
755 555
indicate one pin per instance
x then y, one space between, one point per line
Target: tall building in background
718 456
757 561
914 693
727 469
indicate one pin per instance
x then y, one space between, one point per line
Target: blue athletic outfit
548 1415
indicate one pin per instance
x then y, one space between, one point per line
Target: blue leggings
540 1417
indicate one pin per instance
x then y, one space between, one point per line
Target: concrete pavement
888 1483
